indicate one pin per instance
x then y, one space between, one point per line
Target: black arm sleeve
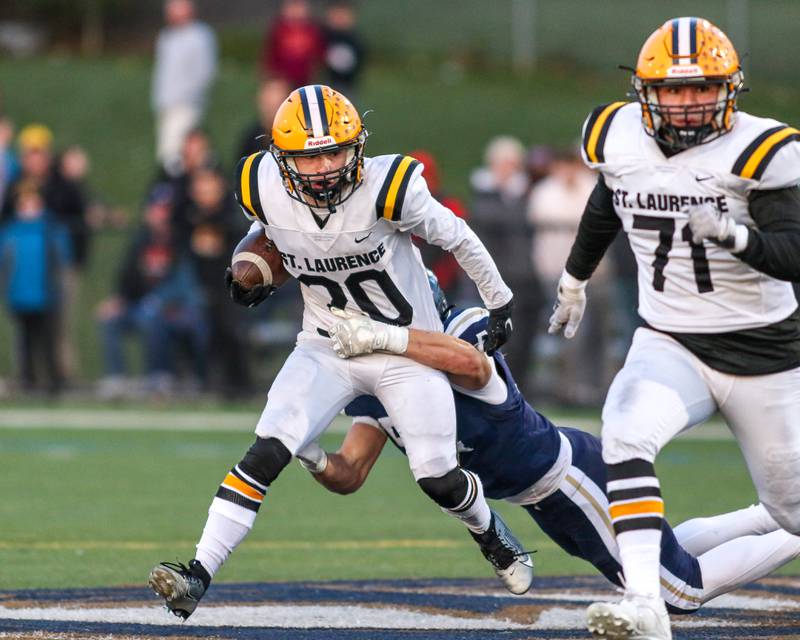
774 248
597 230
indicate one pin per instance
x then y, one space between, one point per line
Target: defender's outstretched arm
346 470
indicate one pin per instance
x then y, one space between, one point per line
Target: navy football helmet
439 298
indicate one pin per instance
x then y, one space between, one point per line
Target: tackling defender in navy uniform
556 474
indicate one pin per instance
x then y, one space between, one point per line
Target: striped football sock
473 510
230 518
637 513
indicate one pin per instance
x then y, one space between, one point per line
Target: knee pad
265 459
449 490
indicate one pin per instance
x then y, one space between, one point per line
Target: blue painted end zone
446 597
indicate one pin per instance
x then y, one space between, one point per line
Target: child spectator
34 255
65 202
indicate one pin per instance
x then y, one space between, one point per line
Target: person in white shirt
185 68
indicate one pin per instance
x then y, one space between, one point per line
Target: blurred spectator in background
498 215
34 253
64 196
197 154
537 163
441 262
555 208
344 48
72 170
157 298
625 290
294 45
215 225
185 67
271 94
65 200
9 165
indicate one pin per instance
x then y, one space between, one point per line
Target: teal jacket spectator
33 255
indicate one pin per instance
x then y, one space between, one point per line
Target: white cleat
633 618
511 563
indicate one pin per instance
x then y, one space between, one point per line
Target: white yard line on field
155 420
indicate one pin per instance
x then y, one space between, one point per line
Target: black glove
247 297
500 327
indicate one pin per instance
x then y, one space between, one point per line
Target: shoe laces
180 568
501 552
187 573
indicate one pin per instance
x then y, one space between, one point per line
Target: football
257 261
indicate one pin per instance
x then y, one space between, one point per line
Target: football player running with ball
710 201
343 224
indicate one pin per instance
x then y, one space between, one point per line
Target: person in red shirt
294 45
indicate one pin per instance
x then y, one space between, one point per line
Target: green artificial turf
94 507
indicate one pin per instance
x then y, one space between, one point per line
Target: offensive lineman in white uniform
343 224
710 201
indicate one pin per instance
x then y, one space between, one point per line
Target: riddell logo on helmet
327 141
683 71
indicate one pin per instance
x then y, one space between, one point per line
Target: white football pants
314 385
664 389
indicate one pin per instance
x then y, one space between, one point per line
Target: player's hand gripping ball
256 270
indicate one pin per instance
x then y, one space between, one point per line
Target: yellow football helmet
687 51
315 120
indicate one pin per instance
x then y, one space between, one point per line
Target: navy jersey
507 444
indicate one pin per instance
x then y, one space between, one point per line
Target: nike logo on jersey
703 178
364 238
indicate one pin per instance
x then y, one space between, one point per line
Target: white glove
708 223
570 305
357 334
313 458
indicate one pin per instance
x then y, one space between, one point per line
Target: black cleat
180 586
511 563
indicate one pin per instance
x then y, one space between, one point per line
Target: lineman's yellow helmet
314 120
687 51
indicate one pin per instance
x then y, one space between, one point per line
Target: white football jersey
686 287
363 258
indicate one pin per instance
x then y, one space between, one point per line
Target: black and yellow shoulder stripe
754 159
393 192
594 137
246 185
